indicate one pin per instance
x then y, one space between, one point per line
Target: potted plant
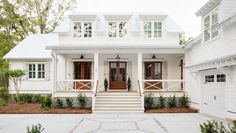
129 83
105 84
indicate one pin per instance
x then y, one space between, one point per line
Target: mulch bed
171 110
30 108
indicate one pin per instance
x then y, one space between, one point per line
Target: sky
182 11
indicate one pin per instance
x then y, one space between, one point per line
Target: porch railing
164 85
75 85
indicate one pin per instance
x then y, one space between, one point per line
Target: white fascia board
207 7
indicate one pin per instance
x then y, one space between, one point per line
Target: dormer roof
208 7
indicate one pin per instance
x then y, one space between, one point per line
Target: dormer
210 14
117 25
82 25
152 25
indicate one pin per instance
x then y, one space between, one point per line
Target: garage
213 85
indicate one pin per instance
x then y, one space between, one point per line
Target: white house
210 61
87 48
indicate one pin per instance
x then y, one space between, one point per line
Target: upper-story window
117 29
152 29
210 21
83 29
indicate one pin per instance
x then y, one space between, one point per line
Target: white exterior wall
231 94
132 39
32 86
222 46
228 8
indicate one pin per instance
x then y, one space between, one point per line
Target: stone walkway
105 123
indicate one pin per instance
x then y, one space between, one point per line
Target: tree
15 76
19 18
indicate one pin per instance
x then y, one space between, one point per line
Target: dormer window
152 29
82 29
117 29
210 23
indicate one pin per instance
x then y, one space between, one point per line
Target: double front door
117 75
82 71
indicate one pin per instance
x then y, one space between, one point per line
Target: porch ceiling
116 49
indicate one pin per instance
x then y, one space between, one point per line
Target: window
210 22
207 28
117 29
152 29
221 78
36 71
214 20
82 29
209 78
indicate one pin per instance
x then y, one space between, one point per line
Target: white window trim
203 21
82 29
36 71
117 30
152 30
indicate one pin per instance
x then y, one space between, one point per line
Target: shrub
35 129
59 103
25 98
172 101
37 98
69 102
4 97
213 127
82 100
46 102
162 101
232 129
184 101
148 100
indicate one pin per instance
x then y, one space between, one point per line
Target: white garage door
213 86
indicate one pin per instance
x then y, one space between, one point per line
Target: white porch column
96 66
95 78
54 73
140 70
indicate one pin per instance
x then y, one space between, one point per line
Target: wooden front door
82 71
153 71
117 75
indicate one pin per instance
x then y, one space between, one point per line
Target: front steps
118 102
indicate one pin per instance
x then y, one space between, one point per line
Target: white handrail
71 85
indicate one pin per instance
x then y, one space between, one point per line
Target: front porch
86 72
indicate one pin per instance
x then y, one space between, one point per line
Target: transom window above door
83 30
117 29
152 29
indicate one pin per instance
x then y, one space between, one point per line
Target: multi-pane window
210 23
31 71
214 21
117 29
207 28
152 29
83 29
209 78
221 78
36 71
41 71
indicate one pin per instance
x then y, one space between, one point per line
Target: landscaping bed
33 108
171 110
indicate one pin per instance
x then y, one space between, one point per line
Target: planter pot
106 88
129 86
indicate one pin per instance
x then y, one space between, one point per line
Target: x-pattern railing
164 85
73 85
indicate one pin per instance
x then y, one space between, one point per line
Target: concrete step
117 112
118 94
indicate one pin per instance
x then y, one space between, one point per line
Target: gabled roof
33 47
207 7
